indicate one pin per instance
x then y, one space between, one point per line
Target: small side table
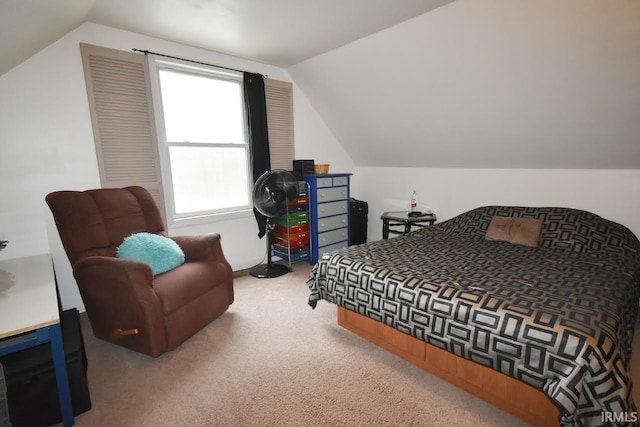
402 218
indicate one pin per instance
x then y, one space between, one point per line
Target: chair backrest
95 222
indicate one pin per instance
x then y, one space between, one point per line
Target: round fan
271 192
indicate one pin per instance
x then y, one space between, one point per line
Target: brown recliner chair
126 304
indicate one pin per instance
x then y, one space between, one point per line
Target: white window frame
173 218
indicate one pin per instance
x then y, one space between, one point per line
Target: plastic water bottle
414 201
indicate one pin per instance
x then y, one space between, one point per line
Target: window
202 139
192 157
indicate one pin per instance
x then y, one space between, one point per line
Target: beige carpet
273 361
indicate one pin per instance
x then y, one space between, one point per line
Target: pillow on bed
161 253
519 231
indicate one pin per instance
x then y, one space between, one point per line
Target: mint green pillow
161 253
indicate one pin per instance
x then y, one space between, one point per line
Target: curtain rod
146 52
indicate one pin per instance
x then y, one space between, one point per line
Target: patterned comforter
559 317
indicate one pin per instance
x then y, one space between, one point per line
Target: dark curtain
256 107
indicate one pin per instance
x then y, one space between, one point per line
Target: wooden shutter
279 98
121 106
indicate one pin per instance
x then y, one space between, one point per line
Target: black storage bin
4 409
359 212
32 393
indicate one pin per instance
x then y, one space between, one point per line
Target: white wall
612 194
46 144
541 84
484 102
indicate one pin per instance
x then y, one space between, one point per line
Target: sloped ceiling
28 26
488 84
276 32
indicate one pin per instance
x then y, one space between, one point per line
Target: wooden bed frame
511 395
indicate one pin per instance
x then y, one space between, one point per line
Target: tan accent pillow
519 231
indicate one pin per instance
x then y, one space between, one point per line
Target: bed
541 328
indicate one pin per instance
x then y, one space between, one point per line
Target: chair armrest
206 247
118 294
115 268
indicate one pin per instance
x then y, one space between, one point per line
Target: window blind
279 99
119 92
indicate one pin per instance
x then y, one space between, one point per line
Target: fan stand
269 270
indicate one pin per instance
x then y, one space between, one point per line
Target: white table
29 316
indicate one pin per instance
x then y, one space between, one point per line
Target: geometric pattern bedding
559 317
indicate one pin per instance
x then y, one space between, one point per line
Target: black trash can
359 211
